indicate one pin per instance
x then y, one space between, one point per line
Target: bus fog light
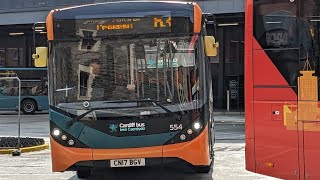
182 137
189 131
56 132
71 142
196 125
64 137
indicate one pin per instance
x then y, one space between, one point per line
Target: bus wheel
204 169
28 106
83 173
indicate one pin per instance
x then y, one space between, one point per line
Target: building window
12 57
15 54
233 52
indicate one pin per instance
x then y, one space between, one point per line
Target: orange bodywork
49 23
196 152
146 152
197 18
63 157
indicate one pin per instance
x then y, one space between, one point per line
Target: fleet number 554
175 127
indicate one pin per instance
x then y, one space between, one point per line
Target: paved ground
229 160
31 125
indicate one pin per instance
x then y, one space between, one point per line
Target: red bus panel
282 88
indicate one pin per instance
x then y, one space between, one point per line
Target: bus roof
177 9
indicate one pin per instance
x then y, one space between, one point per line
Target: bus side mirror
40 58
211 46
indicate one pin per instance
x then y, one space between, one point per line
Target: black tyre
84 173
204 169
28 106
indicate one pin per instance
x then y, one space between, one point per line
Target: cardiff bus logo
113 127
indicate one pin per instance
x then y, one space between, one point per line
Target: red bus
282 91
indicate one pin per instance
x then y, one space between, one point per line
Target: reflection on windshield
163 69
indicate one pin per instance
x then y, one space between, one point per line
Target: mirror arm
35 56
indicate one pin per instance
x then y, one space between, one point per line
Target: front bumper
150 162
193 153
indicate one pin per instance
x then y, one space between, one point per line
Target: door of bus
308 96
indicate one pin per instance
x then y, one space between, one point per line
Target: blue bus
34 96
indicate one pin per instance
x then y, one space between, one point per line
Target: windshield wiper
77 118
177 117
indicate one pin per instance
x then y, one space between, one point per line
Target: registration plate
128 162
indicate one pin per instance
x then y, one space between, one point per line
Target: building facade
16 40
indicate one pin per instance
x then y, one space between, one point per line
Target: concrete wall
31 11
221 6
28 5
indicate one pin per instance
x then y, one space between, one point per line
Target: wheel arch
29 98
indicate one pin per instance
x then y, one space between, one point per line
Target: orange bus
129 85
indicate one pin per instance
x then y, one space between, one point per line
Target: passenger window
277 32
276 24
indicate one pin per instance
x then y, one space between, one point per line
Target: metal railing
228 100
17 152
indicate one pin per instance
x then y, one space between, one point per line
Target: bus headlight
183 137
56 132
64 137
190 132
71 142
196 125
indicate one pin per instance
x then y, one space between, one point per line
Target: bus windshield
162 69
